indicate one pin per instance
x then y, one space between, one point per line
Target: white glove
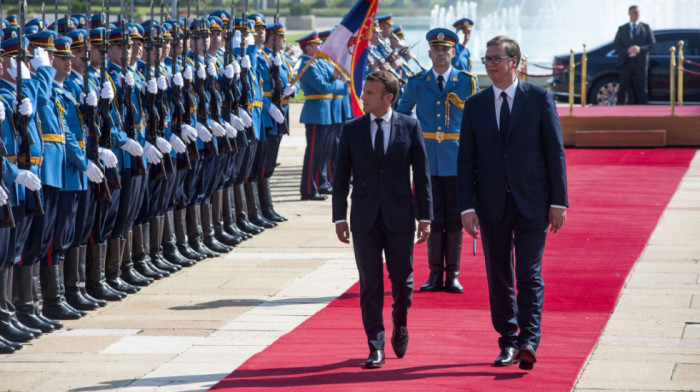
91 99
188 73
229 72
107 92
188 134
289 90
25 108
247 121
201 72
107 157
151 153
245 62
217 129
177 79
28 179
236 67
3 197
162 83
211 69
128 78
2 111
152 86
277 60
13 70
230 130
41 58
202 132
132 147
276 114
177 144
93 172
163 145
236 40
237 123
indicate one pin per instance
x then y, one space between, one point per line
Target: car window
663 44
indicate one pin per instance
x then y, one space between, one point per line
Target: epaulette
416 75
468 73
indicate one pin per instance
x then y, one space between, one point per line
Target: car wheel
604 91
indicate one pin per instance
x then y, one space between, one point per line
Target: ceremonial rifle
234 91
138 168
176 120
187 102
160 94
158 169
92 133
34 205
245 85
210 149
105 106
6 217
282 128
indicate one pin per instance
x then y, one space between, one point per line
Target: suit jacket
644 39
382 186
529 157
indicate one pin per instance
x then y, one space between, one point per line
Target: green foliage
300 9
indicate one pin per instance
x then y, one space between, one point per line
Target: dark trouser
5 251
446 214
209 177
314 156
271 150
324 177
84 217
130 200
633 73
155 198
228 165
336 130
19 233
193 184
169 189
247 163
178 198
508 311
106 211
65 227
398 249
41 231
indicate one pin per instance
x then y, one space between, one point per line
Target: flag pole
306 67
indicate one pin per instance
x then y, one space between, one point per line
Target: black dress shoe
434 283
399 341
375 359
527 357
452 285
317 196
506 357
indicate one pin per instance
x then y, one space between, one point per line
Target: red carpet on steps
616 196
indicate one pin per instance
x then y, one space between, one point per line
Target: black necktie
505 114
441 82
379 141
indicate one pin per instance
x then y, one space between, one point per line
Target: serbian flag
348 47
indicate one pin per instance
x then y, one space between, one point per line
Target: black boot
242 212
217 221
129 273
208 231
11 287
169 243
435 245
155 249
453 251
96 284
141 253
62 287
54 304
24 300
113 267
229 215
9 328
7 347
182 241
82 277
74 296
268 210
251 196
194 232
36 291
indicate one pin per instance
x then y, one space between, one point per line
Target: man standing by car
632 44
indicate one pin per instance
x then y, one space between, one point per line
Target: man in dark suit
512 186
633 42
379 150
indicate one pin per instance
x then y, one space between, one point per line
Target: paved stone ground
186 332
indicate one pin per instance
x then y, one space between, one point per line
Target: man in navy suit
512 186
632 44
379 150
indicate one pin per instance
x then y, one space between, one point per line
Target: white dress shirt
444 76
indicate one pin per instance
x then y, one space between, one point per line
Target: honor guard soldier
23 145
398 31
385 25
462 59
319 85
438 96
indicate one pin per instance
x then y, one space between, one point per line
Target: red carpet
617 197
630 111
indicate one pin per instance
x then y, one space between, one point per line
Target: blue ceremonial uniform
462 60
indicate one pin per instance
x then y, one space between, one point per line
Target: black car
602 73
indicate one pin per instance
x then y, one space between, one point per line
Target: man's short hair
631 8
391 84
510 45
